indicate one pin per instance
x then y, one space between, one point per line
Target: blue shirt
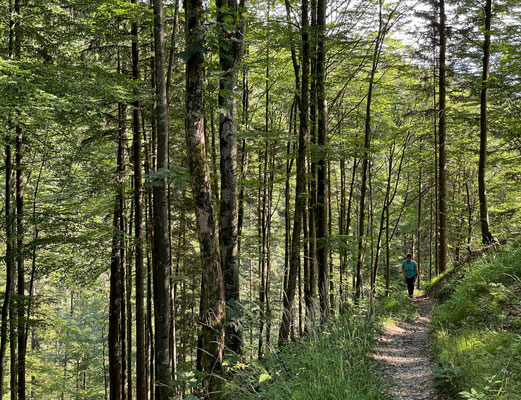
409 268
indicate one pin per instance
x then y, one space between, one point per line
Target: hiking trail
404 355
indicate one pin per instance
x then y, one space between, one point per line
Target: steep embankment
476 330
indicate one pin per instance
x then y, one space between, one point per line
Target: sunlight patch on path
403 353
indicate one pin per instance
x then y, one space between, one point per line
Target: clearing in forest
403 351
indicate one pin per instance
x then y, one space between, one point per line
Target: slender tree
9 261
442 158
22 341
365 159
138 222
322 237
483 208
300 189
115 377
161 250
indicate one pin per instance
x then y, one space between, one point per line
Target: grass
477 330
396 307
331 363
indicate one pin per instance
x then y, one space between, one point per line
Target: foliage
333 361
396 307
477 331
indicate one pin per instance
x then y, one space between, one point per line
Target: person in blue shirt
409 272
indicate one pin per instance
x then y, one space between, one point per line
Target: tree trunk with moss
231 48
212 305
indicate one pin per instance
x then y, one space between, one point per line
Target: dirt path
404 355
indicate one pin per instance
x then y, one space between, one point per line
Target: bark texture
116 294
231 49
321 208
138 224
161 250
212 305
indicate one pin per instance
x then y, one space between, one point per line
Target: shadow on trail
403 352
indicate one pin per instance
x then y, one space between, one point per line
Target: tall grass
477 331
333 363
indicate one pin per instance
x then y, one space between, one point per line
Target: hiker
409 272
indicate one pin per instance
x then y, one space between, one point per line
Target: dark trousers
410 284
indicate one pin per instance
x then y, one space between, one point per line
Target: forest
213 199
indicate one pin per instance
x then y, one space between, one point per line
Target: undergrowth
396 307
332 363
477 330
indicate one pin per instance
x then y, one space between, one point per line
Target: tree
300 190
321 209
212 306
442 143
232 28
161 251
483 208
138 224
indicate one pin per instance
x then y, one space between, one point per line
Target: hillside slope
476 328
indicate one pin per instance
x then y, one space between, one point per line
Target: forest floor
404 355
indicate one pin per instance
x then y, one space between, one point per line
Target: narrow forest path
403 352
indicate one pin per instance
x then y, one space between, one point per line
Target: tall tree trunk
387 254
330 250
268 245
300 190
469 216
382 31
9 260
244 163
212 307
363 189
115 376
261 198
442 168
370 221
341 222
356 162
313 165
13 345
231 49
22 341
171 53
161 253
138 224
20 226
382 215
149 162
436 176
483 208
322 237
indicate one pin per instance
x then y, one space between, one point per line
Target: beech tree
230 16
212 308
